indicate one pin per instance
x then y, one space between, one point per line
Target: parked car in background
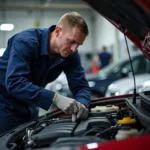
60 85
126 85
113 72
100 82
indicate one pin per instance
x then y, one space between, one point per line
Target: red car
114 123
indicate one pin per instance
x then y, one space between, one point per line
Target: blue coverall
25 69
104 58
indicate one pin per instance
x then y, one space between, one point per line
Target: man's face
68 40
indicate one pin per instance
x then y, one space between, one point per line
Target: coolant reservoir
123 134
126 130
104 108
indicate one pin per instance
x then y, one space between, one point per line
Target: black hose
106 130
93 130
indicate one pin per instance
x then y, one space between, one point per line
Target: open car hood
131 17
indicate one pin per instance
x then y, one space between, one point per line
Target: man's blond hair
73 19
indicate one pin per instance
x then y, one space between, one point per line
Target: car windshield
110 69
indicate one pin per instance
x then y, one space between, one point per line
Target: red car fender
134 143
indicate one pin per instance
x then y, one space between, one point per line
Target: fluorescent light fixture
6 27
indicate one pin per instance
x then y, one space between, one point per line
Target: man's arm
76 80
17 79
78 86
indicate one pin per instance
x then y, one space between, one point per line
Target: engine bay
111 119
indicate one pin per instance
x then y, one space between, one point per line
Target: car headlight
91 84
112 90
117 93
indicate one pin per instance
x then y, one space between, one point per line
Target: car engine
110 119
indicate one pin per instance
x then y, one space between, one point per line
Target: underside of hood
131 17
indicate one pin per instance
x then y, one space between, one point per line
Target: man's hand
81 114
66 104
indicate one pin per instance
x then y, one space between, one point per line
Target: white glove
74 117
81 114
66 104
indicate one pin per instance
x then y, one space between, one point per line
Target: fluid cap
127 120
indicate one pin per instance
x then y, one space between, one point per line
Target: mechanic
35 57
105 57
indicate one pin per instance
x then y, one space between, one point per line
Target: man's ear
57 30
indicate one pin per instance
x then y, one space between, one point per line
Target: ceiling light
6 27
